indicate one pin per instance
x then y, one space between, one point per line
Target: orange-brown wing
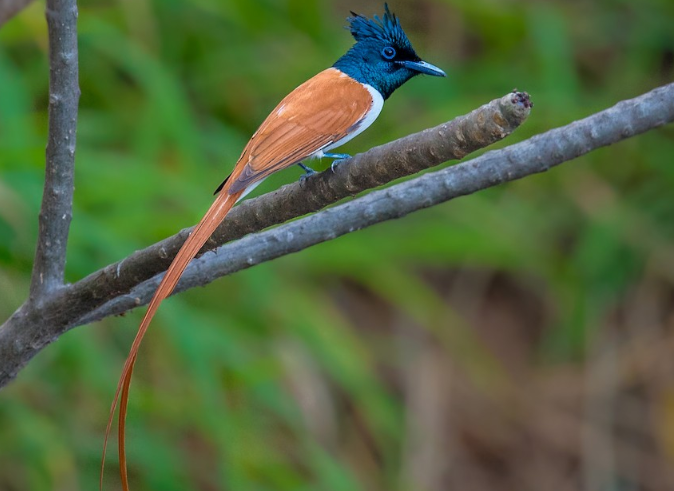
321 111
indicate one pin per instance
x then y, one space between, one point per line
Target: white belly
372 114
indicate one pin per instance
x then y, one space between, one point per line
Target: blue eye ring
388 53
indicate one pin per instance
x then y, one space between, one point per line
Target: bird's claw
308 172
339 157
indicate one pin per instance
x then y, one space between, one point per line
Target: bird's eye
389 53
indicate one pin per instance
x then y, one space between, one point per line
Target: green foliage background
441 351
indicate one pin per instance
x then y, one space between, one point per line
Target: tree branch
9 8
378 166
57 200
32 327
535 155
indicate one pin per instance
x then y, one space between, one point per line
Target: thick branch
9 8
64 94
31 328
34 326
378 166
535 155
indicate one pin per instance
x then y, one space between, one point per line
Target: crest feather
386 28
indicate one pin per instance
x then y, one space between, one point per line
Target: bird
318 116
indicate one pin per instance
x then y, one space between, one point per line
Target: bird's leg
308 171
339 157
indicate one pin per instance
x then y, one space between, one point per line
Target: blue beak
423 67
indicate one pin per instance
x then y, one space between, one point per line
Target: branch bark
112 290
9 8
378 166
36 324
57 199
535 155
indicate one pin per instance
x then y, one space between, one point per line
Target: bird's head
383 56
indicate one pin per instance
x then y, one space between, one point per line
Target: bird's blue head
383 56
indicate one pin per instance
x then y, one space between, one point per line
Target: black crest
386 29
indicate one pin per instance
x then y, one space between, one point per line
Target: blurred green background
518 339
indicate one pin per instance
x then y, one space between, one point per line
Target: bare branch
535 155
9 8
57 200
378 166
33 327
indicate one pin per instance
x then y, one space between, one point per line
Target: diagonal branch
31 328
378 166
57 200
535 155
34 325
9 8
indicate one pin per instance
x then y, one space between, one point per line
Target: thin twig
9 8
33 327
57 200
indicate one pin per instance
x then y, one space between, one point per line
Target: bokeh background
518 339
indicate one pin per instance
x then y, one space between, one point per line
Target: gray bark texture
132 281
50 312
57 199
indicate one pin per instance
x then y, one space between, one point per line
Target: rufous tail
203 230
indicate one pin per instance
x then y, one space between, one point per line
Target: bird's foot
339 158
308 172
